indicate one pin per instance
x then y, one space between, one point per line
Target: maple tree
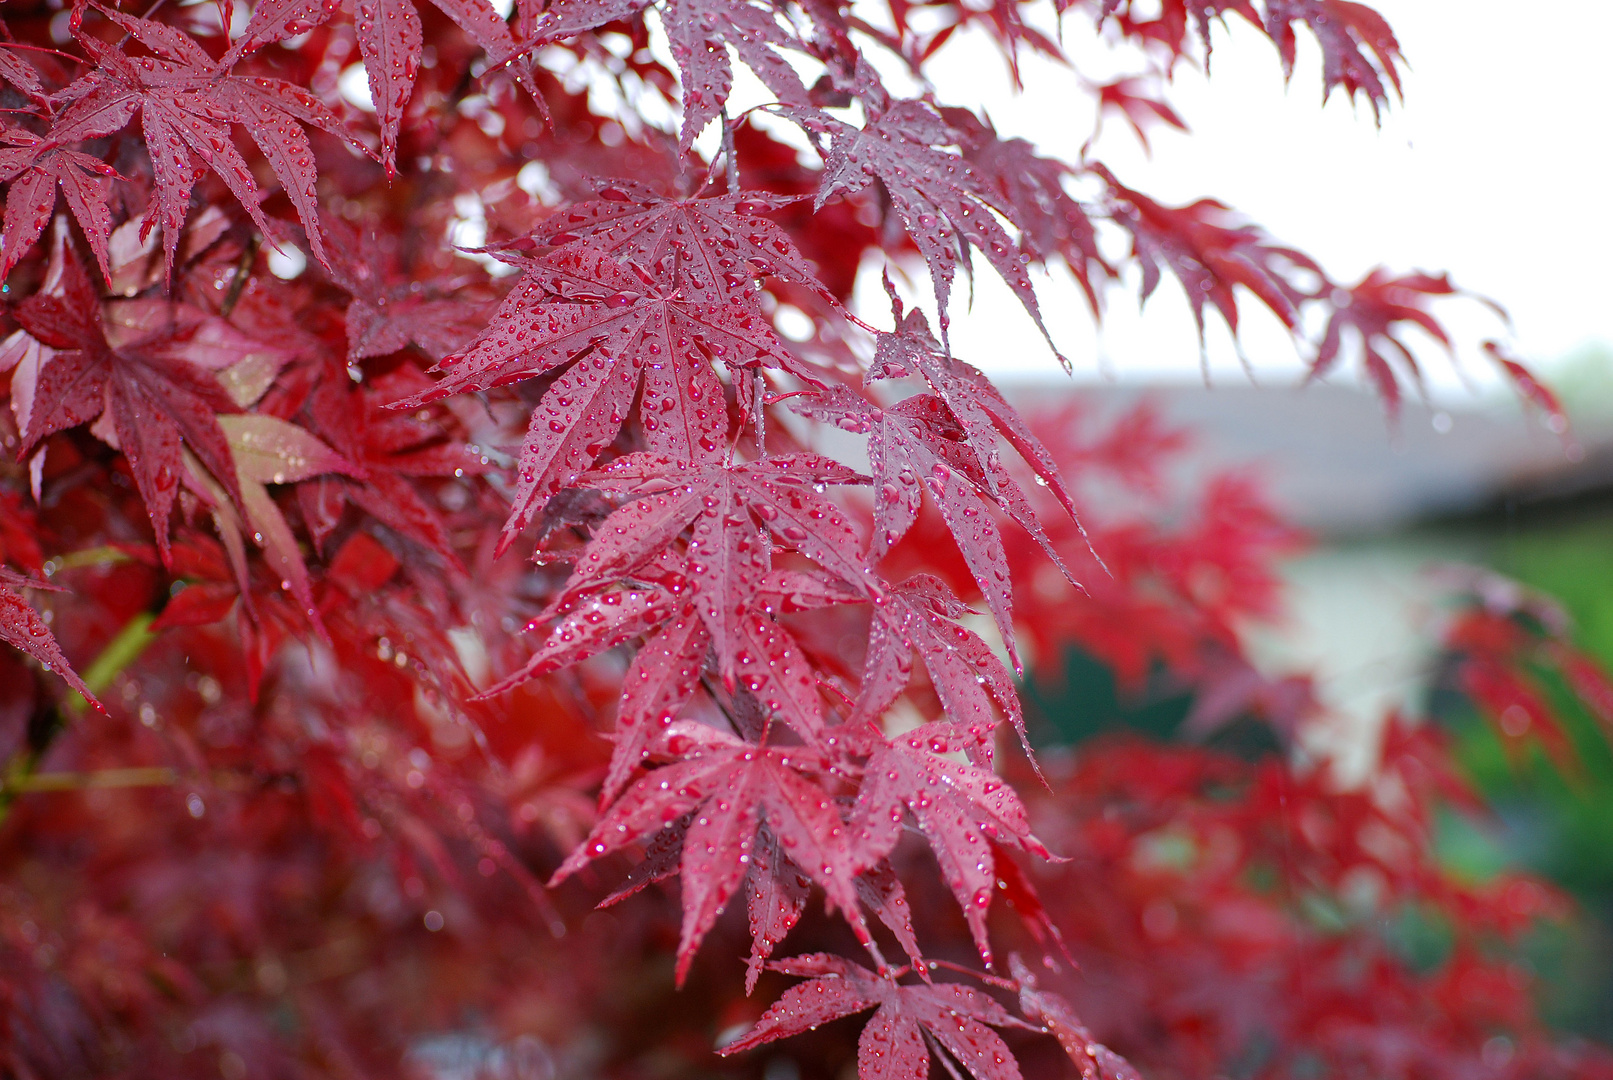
288 792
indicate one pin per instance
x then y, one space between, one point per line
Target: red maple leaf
22 75
920 615
734 515
393 306
784 493
941 202
561 19
714 247
732 788
1170 22
1343 30
1133 99
22 628
388 449
1375 311
663 675
962 810
1028 189
1359 51
946 441
911 1020
654 296
389 41
267 450
1530 389
702 31
31 199
157 402
1211 253
975 406
1094 1060
187 104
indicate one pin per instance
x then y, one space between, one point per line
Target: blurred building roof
1336 465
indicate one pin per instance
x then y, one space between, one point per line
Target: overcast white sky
1496 169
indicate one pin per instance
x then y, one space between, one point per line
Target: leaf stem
151 776
761 416
731 164
104 555
119 653
243 269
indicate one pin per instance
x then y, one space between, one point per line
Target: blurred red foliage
287 793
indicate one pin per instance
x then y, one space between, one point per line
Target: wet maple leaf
662 677
1359 50
388 449
1169 23
21 74
701 33
389 41
267 450
392 308
35 176
562 19
1028 189
22 628
897 491
1094 1060
784 492
1343 30
1376 311
187 105
895 1045
274 113
594 309
731 787
936 193
277 20
157 403
734 515
961 809
946 441
1211 253
776 893
975 405
763 667
920 616
712 247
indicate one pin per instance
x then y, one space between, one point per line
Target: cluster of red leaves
1502 646
1249 912
310 819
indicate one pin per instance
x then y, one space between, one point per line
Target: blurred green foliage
1555 822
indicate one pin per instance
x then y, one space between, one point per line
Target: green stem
103 556
153 776
119 653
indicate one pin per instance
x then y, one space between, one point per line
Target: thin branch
153 776
243 270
